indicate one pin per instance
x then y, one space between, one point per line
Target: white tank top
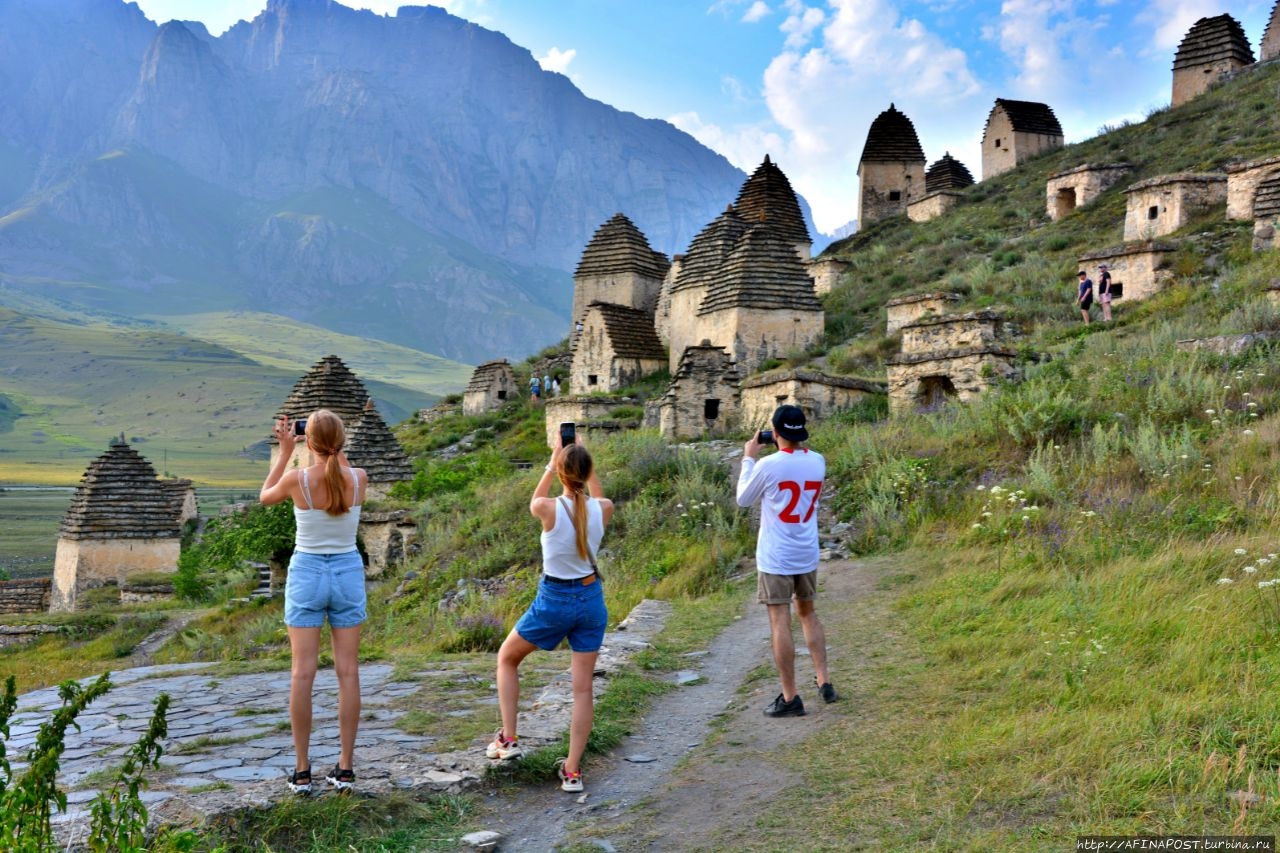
322 533
560 544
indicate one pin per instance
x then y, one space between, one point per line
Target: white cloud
758 11
834 77
557 60
743 146
1172 18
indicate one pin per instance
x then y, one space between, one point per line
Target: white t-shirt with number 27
788 485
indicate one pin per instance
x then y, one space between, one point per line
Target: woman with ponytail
569 602
326 579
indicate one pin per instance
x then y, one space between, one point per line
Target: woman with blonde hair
326 579
569 602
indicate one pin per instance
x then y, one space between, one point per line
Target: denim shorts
321 585
566 610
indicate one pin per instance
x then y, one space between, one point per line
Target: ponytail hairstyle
326 436
573 468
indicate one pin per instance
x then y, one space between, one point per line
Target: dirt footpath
699 768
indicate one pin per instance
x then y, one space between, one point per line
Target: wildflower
1033 508
1263 561
1224 581
1239 478
981 488
1216 422
1259 374
1248 570
1248 432
1183 456
1273 556
986 515
1207 466
1240 552
684 515
1057 447
1026 518
1226 387
1210 412
975 526
1088 513
679 506
1264 584
1253 414
1246 394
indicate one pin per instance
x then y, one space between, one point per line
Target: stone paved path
230 746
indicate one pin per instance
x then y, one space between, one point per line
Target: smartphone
568 434
300 426
765 436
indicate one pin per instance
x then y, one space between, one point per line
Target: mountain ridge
496 171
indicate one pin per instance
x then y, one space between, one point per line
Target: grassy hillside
190 406
276 341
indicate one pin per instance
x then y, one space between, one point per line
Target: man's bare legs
815 638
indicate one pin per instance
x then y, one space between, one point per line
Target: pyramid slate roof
1027 117
177 491
762 272
373 447
767 197
947 174
1213 39
485 373
708 250
1270 47
1266 203
630 331
618 246
120 497
704 357
892 139
329 384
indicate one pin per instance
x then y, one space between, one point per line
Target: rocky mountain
414 178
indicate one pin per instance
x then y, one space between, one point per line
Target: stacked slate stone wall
25 595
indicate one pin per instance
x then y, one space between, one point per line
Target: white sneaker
502 748
571 782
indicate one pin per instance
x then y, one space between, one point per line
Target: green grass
193 408
384 824
289 345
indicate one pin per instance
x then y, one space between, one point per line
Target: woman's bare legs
346 665
582 669
514 650
305 646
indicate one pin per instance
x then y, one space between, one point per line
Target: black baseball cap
788 422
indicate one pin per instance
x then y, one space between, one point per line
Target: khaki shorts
778 589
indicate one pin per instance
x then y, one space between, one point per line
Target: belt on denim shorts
587 581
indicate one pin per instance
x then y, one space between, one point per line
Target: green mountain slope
192 407
288 344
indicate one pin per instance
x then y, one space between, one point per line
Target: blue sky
802 80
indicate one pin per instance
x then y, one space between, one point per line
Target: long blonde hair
326 436
573 468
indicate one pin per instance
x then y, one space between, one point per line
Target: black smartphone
765 436
568 433
300 426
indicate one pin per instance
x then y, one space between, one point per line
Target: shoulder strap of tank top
306 489
591 558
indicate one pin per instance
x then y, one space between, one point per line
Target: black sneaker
300 781
341 779
783 708
826 691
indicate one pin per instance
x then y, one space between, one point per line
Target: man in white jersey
788 485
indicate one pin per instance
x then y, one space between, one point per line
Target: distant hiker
326 579
1084 295
535 386
788 485
546 384
1104 292
569 602
555 387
